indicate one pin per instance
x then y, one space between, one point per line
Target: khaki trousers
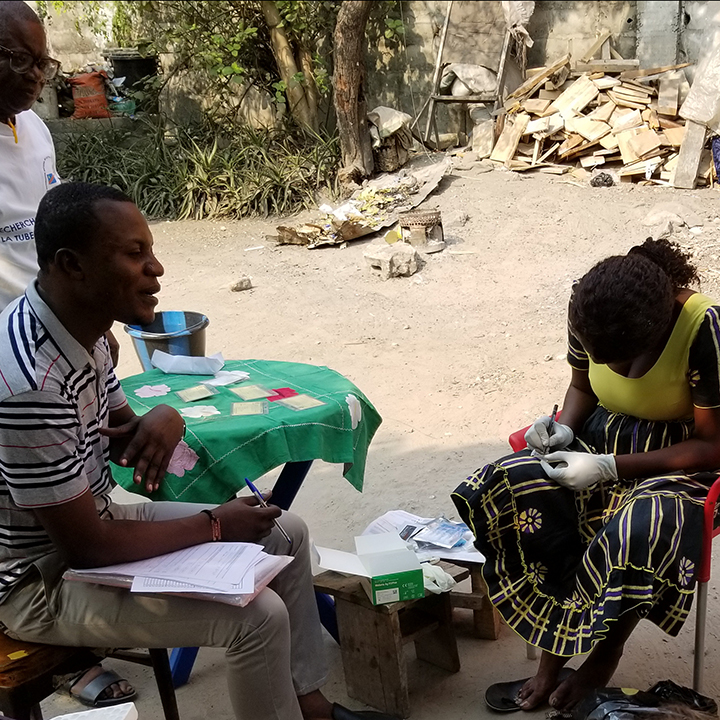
274 645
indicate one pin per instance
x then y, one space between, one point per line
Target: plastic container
172 331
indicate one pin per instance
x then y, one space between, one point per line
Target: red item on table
281 393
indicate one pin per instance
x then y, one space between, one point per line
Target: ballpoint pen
262 502
552 423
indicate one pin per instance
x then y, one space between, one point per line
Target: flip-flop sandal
90 694
503 697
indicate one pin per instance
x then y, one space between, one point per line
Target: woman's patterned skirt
562 565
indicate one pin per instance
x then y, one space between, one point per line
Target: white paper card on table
197 392
227 377
252 392
187 364
125 711
147 391
199 411
255 407
300 402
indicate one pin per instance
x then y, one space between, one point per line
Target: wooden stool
486 619
372 638
27 670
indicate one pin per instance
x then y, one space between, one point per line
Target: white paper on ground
125 711
186 364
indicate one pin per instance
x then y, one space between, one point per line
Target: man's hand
151 441
538 438
578 470
244 520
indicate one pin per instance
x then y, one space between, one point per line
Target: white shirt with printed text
27 172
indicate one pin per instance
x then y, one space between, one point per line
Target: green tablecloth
231 448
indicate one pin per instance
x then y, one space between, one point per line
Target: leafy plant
206 172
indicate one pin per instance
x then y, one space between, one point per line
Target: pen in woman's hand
262 502
551 424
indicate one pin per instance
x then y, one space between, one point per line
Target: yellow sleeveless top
663 392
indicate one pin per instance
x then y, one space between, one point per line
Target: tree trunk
349 88
298 104
311 92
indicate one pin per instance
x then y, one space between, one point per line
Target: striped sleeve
704 361
116 395
41 452
577 357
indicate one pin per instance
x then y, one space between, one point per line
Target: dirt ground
454 358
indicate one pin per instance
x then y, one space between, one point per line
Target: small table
233 447
372 638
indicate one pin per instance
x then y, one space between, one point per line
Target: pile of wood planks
606 114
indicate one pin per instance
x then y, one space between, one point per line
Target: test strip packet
252 392
259 407
300 402
197 392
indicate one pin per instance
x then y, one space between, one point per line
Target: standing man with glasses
27 172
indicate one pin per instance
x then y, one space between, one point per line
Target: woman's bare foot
594 673
120 689
537 689
599 667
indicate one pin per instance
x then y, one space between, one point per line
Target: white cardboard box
392 569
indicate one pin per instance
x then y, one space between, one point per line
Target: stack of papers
226 571
430 537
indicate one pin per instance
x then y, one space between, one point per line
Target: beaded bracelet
214 524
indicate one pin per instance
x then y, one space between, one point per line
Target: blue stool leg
289 482
328 617
181 664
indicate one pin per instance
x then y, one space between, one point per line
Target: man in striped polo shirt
63 414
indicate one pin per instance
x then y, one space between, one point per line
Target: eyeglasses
22 62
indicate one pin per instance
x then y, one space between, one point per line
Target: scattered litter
375 207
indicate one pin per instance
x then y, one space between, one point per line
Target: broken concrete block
675 212
243 283
393 260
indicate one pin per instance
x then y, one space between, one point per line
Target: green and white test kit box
389 569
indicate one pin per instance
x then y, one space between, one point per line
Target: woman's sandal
90 694
503 697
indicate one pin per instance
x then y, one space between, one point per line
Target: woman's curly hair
622 306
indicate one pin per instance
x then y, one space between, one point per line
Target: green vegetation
204 172
220 169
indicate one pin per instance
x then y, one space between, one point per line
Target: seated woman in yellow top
597 524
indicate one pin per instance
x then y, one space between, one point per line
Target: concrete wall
400 75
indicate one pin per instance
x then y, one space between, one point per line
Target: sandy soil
454 358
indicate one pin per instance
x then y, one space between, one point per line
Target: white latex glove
436 580
538 438
578 470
